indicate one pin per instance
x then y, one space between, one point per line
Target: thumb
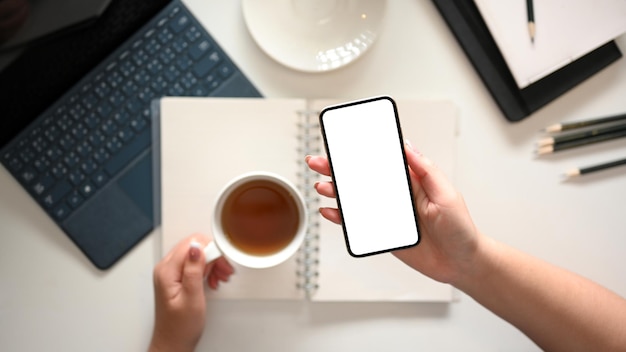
431 180
193 271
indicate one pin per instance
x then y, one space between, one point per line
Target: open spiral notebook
204 142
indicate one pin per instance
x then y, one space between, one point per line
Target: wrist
163 343
475 270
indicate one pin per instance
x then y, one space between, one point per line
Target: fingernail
408 144
194 251
307 158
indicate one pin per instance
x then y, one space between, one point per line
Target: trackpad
112 223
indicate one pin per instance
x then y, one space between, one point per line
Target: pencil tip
546 149
569 174
552 128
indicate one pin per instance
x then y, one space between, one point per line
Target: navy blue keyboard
88 136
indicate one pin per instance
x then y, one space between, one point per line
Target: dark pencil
579 124
531 19
548 149
579 135
589 169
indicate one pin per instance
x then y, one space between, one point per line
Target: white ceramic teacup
261 218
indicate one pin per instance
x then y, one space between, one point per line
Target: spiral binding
308 254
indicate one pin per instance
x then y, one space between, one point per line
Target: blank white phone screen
364 146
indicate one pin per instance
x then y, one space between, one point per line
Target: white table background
52 298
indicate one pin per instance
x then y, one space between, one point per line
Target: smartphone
365 149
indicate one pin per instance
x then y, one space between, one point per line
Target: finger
193 271
178 253
170 269
213 282
222 277
325 189
218 270
431 180
318 164
331 214
223 267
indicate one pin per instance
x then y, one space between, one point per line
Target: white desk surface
52 298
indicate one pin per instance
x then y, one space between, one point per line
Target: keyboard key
59 170
104 109
87 189
109 127
179 23
101 155
96 139
198 50
121 117
206 64
171 74
127 68
39 144
71 159
142 77
27 155
77 112
140 57
165 35
125 134
192 34
115 79
88 166
67 142
79 131
75 199
83 149
99 178
117 98
152 47
188 80
134 105
76 177
57 193
89 101
61 212
64 122
44 183
53 153
155 66
212 82
184 62
146 95
129 88
138 124
167 55
159 84
41 163
199 91
52 132
225 71
114 145
28 174
102 89
176 90
92 120
128 153
180 44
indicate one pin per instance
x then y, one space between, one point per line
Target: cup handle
211 252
